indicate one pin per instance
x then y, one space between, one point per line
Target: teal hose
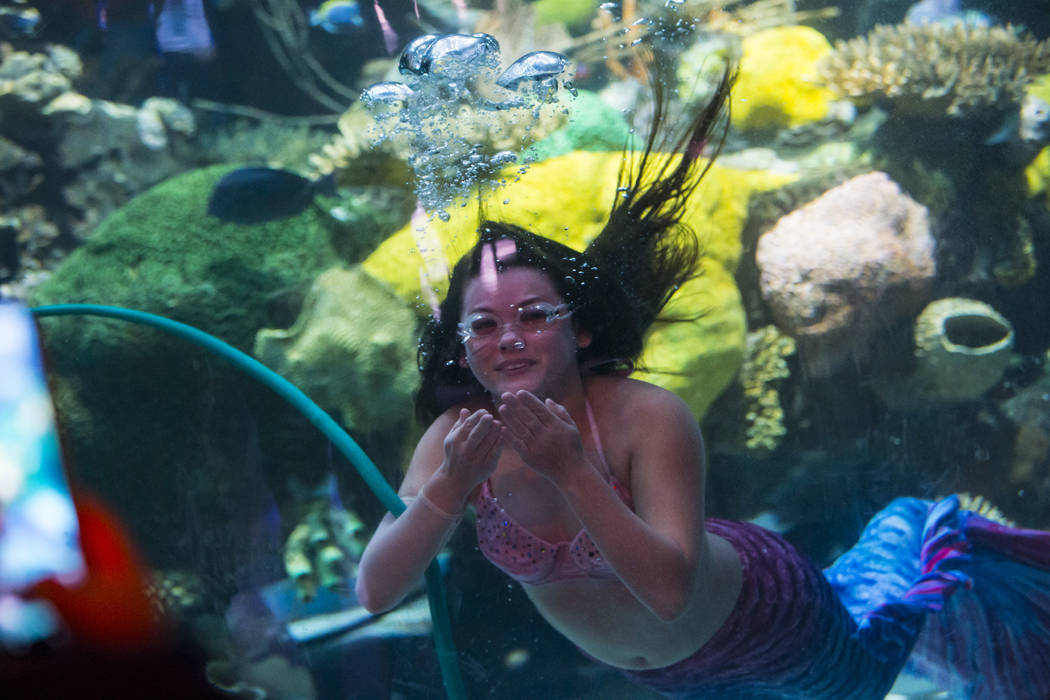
442 627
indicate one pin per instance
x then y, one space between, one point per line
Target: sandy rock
845 265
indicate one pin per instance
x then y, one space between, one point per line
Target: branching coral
933 70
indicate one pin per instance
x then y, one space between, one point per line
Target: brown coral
933 70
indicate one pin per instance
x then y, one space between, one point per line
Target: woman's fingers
490 444
520 415
516 443
558 410
528 416
534 407
480 428
478 434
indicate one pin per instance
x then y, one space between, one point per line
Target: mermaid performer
589 490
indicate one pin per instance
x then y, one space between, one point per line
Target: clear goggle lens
533 318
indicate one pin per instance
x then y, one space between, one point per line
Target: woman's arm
658 549
455 454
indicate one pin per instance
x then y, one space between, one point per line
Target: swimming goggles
534 318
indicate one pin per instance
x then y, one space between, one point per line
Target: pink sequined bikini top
531 559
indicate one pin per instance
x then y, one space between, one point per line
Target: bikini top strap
596 436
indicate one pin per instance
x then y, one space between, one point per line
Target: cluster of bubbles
452 96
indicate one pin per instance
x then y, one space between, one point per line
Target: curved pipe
442 629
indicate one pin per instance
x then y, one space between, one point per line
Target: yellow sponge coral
778 85
1038 176
568 198
1038 171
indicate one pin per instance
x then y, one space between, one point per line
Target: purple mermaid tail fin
993 639
971 595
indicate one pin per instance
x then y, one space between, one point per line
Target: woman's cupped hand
542 433
473 447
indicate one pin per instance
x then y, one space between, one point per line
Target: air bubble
440 105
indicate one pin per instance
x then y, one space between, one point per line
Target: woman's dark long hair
620 283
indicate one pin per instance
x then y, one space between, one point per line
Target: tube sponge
962 348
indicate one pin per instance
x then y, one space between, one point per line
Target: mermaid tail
965 600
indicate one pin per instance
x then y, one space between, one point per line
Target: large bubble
452 98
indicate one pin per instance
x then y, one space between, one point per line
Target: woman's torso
597 612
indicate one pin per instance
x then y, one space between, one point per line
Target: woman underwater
589 490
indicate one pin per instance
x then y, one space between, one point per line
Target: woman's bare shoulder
624 395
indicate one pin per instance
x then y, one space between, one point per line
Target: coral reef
1016 263
839 269
30 246
1037 176
1037 172
457 122
763 371
162 253
28 81
493 131
933 71
802 274
749 17
351 349
1029 468
962 348
178 593
271 676
68 160
983 507
274 143
572 192
144 410
592 126
563 12
1026 475
324 547
777 86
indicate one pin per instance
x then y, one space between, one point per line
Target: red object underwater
119 646
109 609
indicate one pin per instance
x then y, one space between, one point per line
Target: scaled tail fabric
954 596
975 602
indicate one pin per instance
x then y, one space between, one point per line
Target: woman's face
512 358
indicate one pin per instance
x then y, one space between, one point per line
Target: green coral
275 144
567 198
777 86
142 409
573 13
593 126
162 253
764 370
